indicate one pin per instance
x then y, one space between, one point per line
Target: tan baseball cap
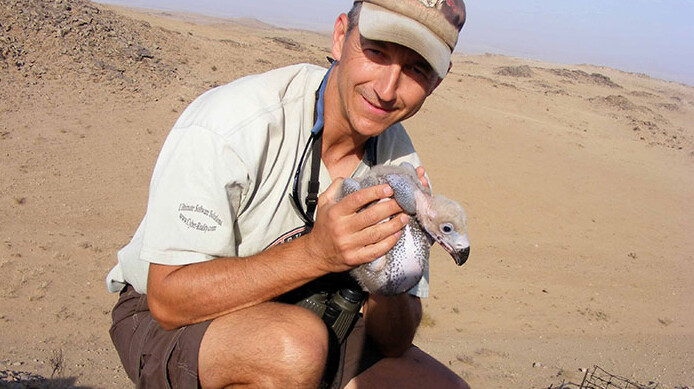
429 27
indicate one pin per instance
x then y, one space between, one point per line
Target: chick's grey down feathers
434 218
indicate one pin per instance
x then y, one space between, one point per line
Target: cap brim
380 24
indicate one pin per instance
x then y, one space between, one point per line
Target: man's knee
303 340
274 345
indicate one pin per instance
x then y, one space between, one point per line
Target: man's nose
387 82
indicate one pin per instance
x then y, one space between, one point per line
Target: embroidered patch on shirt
289 236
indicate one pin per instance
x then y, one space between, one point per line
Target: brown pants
155 358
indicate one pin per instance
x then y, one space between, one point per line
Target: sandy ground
578 182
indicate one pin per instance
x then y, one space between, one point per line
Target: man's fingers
384 230
422 177
373 251
375 214
361 198
377 240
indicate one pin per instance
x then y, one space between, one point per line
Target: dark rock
516 71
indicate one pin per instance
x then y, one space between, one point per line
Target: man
227 233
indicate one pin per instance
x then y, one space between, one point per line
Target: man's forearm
392 322
182 295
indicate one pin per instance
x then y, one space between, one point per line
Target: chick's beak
458 248
461 249
461 256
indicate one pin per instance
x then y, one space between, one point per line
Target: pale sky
655 37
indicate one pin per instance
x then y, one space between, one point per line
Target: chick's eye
446 228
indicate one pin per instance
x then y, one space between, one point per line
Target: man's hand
346 234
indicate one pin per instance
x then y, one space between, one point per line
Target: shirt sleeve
195 196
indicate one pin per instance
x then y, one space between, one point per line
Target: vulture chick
433 219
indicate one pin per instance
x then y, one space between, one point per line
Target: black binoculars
338 310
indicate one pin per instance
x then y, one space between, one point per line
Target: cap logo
432 3
453 10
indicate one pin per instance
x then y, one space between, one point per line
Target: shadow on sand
42 383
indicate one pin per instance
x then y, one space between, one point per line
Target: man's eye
375 55
420 72
373 52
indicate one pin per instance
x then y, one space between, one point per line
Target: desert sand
578 182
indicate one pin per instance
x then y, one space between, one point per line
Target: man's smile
376 107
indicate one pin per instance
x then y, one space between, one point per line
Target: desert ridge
577 181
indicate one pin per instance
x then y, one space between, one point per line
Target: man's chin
371 129
370 126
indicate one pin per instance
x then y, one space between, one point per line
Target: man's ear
339 35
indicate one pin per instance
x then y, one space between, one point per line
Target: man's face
379 83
